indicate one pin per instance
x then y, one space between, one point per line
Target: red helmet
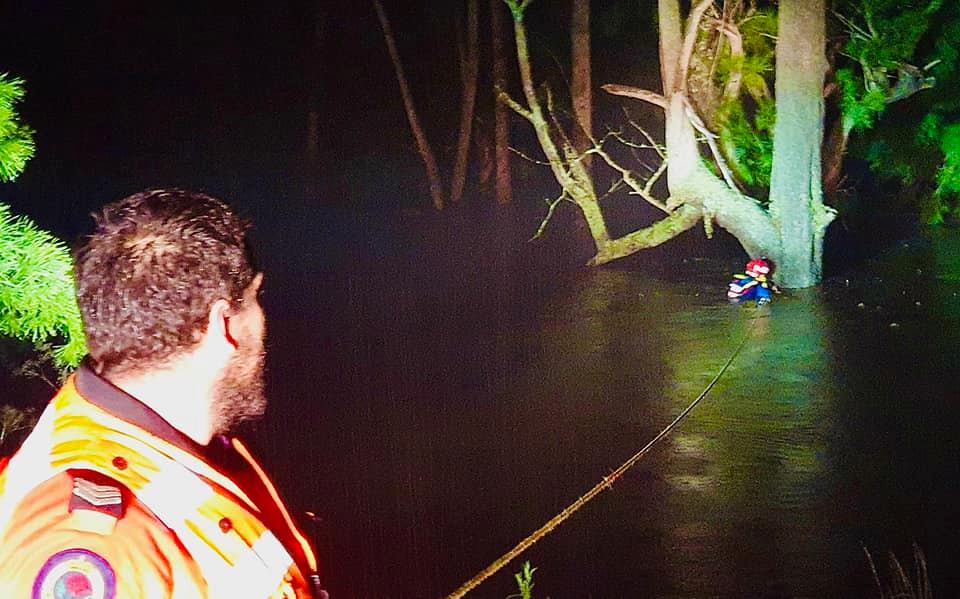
757 267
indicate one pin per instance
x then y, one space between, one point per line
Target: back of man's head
147 277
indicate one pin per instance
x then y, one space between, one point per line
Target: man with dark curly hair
130 485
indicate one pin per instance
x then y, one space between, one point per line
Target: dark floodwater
441 391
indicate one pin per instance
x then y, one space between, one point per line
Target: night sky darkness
125 96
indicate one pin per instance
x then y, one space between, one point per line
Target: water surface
438 404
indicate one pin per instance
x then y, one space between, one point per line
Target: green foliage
860 107
748 141
759 30
37 300
883 158
913 144
16 139
946 197
883 36
886 32
929 132
745 124
524 580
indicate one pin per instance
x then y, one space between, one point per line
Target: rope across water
604 483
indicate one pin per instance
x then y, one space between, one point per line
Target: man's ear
218 325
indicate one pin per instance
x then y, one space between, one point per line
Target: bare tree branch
529 158
423 146
635 92
546 219
711 140
640 189
505 98
469 65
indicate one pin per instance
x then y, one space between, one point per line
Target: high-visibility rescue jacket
96 505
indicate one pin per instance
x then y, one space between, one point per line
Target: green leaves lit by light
37 300
895 50
882 39
16 139
524 580
946 197
861 107
886 32
744 117
748 140
759 29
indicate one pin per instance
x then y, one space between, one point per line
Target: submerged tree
796 197
790 232
37 301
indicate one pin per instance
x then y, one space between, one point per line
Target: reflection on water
454 420
754 453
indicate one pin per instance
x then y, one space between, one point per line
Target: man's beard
240 394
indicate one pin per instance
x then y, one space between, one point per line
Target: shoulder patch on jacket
96 492
75 574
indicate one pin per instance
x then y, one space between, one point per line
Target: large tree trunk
469 63
503 185
581 87
423 146
671 42
796 196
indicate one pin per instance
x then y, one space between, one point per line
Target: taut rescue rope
605 483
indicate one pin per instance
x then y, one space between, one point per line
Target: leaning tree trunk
423 146
689 181
796 196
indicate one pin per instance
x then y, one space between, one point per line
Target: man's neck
179 395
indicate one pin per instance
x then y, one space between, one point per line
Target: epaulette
97 502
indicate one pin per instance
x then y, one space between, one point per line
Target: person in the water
753 284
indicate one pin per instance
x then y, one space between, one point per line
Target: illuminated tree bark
796 196
696 193
791 234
